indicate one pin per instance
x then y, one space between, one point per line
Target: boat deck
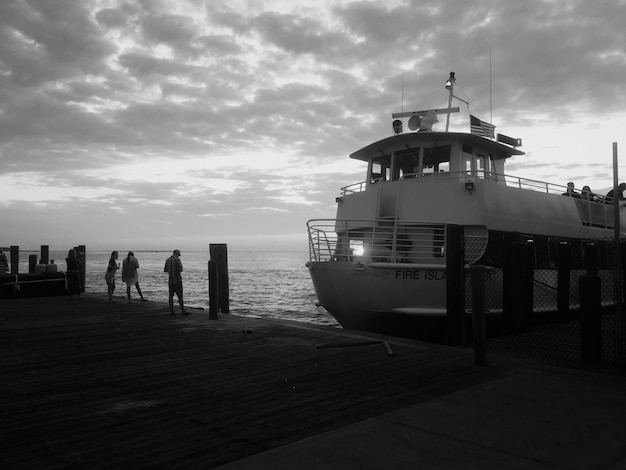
88 384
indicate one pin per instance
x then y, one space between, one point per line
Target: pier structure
44 278
88 384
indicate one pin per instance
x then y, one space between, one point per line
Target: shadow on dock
88 384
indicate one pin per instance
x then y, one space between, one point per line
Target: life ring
359 266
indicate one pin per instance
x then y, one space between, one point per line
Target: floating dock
89 384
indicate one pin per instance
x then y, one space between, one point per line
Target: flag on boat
481 128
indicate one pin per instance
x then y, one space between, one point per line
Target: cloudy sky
154 124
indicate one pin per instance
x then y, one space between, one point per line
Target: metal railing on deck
377 241
508 180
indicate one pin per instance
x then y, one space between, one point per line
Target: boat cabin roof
402 141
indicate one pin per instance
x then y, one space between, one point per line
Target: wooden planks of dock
88 384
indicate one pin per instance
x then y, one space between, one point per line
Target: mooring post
564 263
455 285
590 318
508 286
214 305
15 259
32 262
218 252
81 254
45 254
479 324
522 267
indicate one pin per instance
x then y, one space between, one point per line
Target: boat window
481 165
407 162
467 157
436 159
475 165
380 169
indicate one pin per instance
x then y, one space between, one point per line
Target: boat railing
499 178
377 241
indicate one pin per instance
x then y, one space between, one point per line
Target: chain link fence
557 326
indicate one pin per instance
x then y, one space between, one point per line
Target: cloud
235 118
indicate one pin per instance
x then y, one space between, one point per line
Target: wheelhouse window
467 158
481 165
475 164
407 163
380 170
436 159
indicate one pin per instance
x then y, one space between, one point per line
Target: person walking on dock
174 267
130 275
110 274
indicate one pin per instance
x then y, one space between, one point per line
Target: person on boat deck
130 275
620 190
570 191
588 195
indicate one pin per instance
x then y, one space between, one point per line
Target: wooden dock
88 384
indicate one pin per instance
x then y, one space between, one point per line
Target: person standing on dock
110 274
130 275
174 267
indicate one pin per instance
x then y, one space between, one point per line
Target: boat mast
450 88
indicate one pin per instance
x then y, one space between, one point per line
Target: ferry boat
380 266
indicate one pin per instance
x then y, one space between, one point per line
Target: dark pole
564 261
477 277
81 254
213 291
32 262
218 252
619 337
590 318
455 285
15 259
45 254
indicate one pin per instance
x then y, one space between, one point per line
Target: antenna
450 87
490 99
402 104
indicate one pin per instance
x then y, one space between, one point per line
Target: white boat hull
411 302
399 302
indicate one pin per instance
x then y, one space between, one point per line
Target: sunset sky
149 124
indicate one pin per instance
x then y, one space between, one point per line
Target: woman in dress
110 274
130 275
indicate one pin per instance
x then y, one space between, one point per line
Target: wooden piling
590 318
45 254
32 262
479 325
564 263
213 291
521 289
455 286
218 252
81 254
15 259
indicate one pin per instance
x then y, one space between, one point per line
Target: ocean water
262 284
